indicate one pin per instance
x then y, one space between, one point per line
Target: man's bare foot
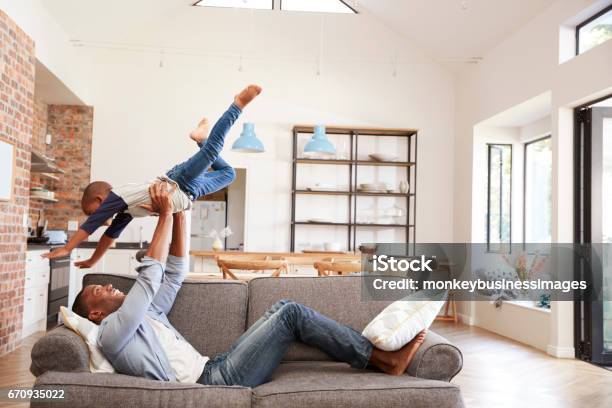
396 362
200 134
247 95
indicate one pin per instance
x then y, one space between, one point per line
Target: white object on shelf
332 246
380 157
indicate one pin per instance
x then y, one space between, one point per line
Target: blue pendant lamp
319 143
248 142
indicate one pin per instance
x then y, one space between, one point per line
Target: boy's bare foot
200 134
396 362
247 95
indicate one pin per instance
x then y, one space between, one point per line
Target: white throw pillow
89 332
402 320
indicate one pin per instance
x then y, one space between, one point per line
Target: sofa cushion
211 315
338 297
323 384
86 390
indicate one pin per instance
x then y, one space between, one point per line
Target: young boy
101 202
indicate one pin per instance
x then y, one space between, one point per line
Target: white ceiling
444 29
447 31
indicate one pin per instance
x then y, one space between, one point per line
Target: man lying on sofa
137 338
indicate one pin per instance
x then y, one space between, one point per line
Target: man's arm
177 266
119 327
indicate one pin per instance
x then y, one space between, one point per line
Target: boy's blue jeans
254 357
193 176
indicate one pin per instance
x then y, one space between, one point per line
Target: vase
217 245
403 187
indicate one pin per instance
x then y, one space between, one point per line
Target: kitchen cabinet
36 288
121 262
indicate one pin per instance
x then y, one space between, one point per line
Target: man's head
95 302
93 195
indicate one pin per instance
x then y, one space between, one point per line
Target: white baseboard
466 319
560 352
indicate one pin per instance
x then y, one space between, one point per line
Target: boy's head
95 193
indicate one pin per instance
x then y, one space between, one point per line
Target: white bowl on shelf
381 157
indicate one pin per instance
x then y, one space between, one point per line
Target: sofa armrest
60 350
436 359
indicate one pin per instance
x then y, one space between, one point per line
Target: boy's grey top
136 194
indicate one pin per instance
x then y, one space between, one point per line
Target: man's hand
161 203
88 263
57 253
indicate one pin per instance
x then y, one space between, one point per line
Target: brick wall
71 130
17 68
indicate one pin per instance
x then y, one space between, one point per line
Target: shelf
384 163
357 162
53 200
322 192
383 225
345 224
347 193
41 164
356 165
366 193
338 130
323 161
49 176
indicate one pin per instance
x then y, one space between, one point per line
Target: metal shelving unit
409 163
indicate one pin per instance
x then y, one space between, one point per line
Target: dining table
205 261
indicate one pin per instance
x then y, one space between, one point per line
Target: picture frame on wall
7 170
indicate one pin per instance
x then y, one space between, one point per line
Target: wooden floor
15 368
497 372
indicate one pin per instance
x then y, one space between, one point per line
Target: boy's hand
57 253
160 199
88 263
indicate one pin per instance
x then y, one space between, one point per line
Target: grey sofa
212 314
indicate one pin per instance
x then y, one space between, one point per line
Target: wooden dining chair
327 268
242 263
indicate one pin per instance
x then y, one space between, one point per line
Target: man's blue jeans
193 176
254 357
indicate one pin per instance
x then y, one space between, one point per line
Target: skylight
322 6
248 4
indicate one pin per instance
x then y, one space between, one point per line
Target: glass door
594 222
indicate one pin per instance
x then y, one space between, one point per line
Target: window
594 31
538 191
499 197
323 6
250 4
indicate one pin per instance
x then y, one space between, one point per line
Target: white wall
143 113
523 66
52 44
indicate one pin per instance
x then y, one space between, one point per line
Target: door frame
588 337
